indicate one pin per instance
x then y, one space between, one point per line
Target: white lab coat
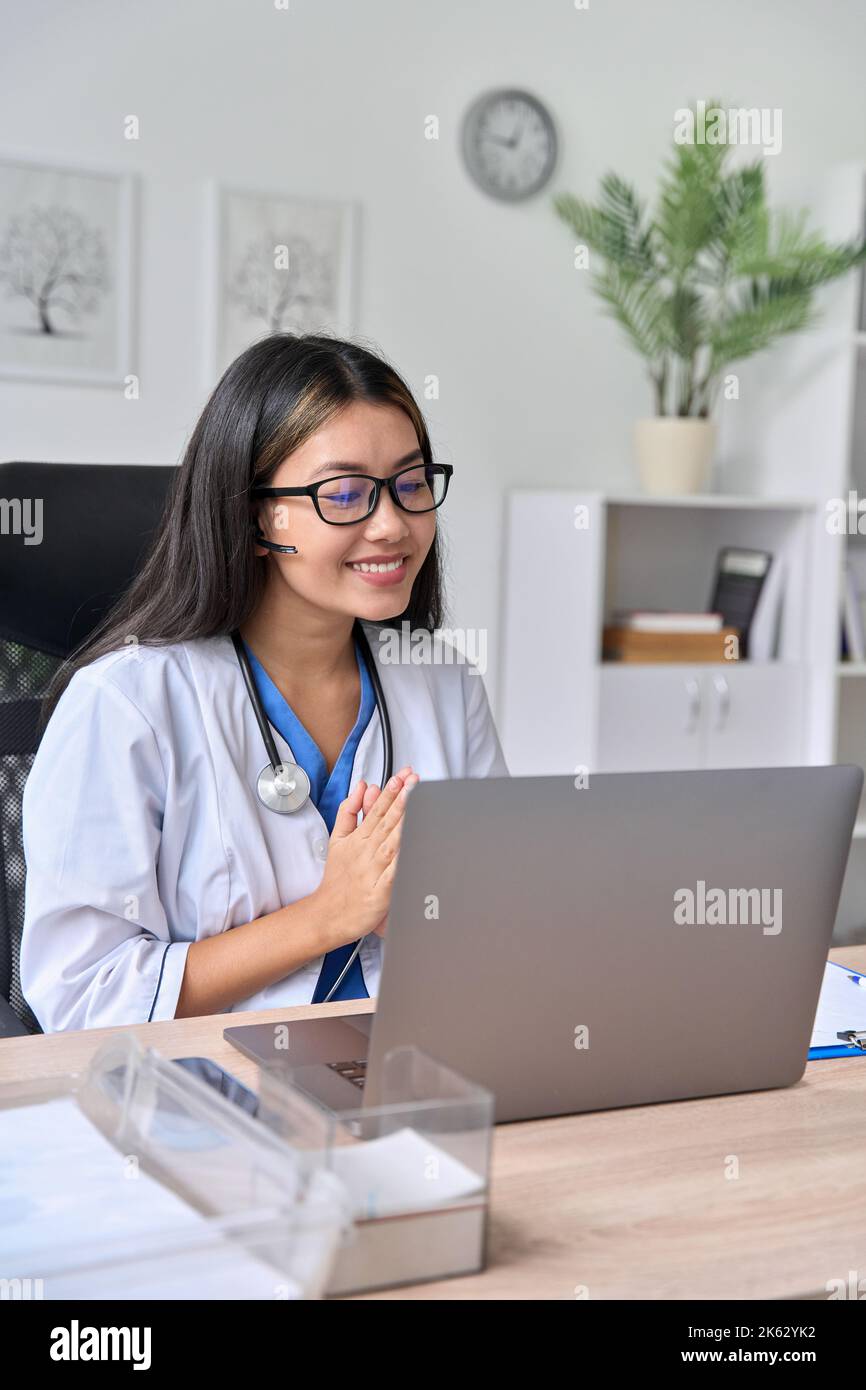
143 831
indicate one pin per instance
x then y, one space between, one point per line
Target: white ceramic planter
674 454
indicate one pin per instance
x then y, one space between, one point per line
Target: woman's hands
355 892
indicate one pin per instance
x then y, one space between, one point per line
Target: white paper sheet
400 1172
63 1187
842 1005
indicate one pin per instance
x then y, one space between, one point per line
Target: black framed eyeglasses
352 497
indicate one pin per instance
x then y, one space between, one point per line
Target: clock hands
510 142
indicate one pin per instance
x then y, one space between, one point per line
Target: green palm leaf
711 277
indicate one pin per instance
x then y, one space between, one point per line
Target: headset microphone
272 545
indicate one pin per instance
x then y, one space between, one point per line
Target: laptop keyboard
356 1072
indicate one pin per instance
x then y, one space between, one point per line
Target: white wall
330 98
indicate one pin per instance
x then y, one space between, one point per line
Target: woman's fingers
370 796
346 819
383 803
373 791
386 840
392 814
382 808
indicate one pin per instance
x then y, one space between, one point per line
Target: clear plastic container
137 1180
416 1167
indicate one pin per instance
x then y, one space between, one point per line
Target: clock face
509 144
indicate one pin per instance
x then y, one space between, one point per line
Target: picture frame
68 258
275 262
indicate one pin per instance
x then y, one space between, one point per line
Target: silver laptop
650 937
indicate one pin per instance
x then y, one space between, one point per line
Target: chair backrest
72 537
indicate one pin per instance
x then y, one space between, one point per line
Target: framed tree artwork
278 263
66 273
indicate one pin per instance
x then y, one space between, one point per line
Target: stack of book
648 635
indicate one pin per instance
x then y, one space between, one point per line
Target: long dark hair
201 576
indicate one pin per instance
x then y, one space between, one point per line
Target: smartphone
222 1081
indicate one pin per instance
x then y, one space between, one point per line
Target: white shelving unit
571 709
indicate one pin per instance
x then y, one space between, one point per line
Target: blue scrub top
326 793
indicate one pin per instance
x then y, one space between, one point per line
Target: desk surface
625 1203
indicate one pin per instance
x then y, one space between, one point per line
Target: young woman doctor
174 868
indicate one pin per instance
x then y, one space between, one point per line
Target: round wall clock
509 144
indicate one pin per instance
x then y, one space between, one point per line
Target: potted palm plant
711 277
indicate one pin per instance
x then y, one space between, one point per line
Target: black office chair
96 522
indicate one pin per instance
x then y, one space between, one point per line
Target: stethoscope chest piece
284 788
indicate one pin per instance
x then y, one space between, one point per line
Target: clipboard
855 1024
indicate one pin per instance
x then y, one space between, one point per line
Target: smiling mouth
393 566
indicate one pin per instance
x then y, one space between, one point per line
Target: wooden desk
627 1203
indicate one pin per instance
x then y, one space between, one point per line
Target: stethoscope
284 787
